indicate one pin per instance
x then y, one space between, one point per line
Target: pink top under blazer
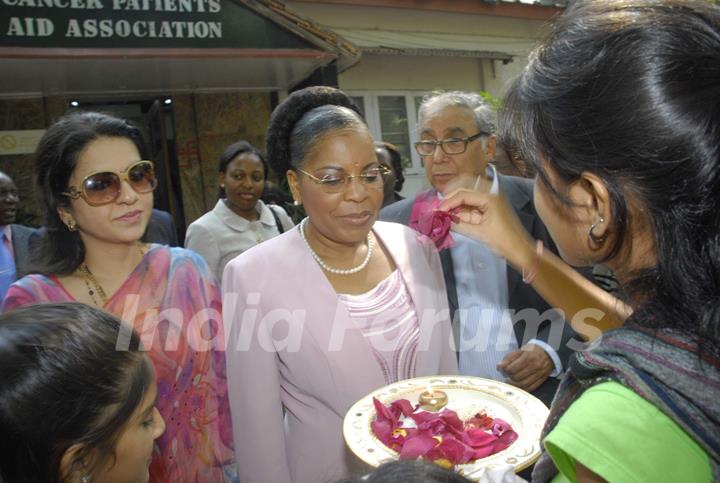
288 391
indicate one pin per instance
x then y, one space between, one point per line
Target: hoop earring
598 240
72 224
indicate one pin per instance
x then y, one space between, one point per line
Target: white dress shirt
486 332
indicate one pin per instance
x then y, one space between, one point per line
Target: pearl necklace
338 271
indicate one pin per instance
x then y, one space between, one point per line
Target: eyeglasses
449 145
101 188
336 181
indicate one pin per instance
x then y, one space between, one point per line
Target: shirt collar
233 220
491 173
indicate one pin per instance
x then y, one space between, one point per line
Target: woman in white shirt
240 220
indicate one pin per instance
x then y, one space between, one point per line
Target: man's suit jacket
161 229
521 296
25 241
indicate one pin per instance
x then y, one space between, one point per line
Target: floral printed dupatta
173 302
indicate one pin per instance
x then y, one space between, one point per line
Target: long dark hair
56 156
63 383
629 90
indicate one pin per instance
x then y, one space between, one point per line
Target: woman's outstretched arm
490 219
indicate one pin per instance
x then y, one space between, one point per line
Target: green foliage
496 102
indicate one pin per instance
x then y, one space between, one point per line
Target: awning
372 41
543 3
118 47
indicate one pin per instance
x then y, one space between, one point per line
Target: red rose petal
383 413
416 446
479 421
440 436
483 452
452 450
478 438
504 441
404 406
452 419
383 430
500 426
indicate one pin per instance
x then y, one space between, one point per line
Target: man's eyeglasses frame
443 142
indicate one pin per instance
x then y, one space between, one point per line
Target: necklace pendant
89 279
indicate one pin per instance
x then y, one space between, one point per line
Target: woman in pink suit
322 315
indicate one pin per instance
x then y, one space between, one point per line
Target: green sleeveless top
623 438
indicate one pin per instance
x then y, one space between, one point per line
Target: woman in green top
619 112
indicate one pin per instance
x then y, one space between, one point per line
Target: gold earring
591 233
72 224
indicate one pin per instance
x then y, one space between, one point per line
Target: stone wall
205 124
20 114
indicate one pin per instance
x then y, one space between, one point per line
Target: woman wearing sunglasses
97 190
330 310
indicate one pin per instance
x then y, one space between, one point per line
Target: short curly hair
299 121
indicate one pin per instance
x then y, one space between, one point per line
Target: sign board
140 24
19 142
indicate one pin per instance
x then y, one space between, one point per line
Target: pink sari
173 302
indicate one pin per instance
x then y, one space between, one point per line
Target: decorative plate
466 396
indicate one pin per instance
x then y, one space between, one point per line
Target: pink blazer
296 364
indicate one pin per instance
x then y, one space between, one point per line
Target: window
392 116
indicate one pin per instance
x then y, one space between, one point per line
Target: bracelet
532 273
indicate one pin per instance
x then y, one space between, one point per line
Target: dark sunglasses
104 187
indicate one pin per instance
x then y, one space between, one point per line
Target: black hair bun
289 112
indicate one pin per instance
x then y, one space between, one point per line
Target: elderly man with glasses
504 330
